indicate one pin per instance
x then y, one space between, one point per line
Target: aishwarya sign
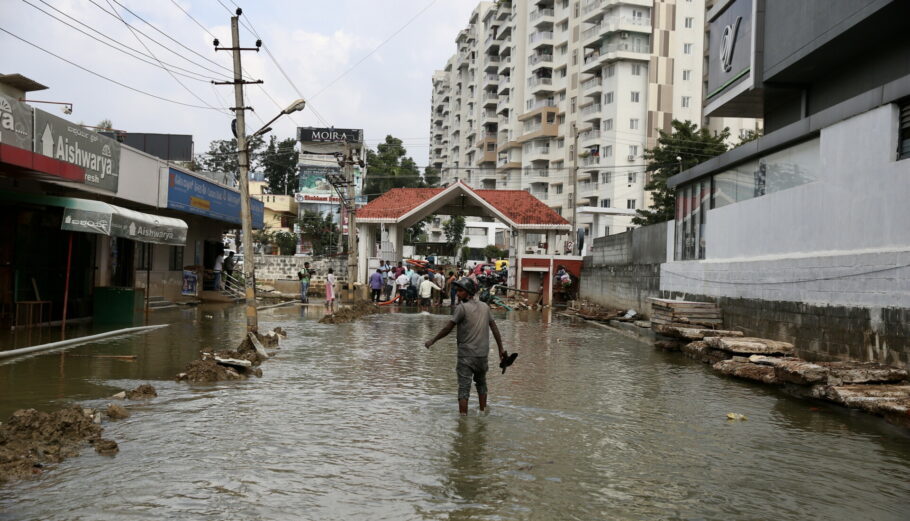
191 194
15 123
98 155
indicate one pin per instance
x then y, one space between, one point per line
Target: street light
249 264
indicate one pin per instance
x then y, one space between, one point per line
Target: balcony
590 161
589 85
612 24
489 116
588 187
490 80
534 104
536 153
536 175
490 99
539 14
591 111
589 136
541 37
537 59
536 84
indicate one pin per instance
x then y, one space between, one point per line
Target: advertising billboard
15 123
329 135
312 179
98 155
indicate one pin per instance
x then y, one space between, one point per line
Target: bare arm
498 338
442 333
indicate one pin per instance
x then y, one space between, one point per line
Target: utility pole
352 219
246 218
574 201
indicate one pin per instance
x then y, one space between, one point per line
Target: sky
343 56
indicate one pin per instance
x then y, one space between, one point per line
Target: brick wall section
623 270
285 267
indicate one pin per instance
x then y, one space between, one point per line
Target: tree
751 135
490 251
279 162
431 176
320 230
417 232
105 124
389 167
681 149
453 228
222 156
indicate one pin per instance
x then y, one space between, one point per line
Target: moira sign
329 135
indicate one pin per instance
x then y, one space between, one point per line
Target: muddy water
358 421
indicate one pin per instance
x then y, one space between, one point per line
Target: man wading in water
472 318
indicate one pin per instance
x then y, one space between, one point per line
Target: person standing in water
330 291
473 318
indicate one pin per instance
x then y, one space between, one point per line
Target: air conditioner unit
623 35
631 158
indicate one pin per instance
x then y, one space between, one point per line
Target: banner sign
98 155
329 135
189 283
316 198
123 222
191 194
15 123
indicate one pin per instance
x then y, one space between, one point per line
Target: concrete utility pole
574 200
352 219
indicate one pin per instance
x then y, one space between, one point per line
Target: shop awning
85 215
88 216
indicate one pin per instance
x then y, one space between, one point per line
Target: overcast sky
314 41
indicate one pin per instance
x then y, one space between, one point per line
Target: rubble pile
31 439
595 312
871 387
237 364
350 314
666 311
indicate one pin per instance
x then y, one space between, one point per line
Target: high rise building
530 79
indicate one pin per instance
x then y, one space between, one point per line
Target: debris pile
31 439
595 312
666 311
350 314
237 364
871 387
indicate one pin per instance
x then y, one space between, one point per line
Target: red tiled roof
521 207
518 205
396 202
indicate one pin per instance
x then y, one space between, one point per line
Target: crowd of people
413 285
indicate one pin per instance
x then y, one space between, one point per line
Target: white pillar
365 233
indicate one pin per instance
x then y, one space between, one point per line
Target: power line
193 19
200 77
352 67
156 58
105 77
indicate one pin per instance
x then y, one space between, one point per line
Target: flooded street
359 421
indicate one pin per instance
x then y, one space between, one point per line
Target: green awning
88 216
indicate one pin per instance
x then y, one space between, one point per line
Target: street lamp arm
293 107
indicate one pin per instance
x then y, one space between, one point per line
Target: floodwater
359 421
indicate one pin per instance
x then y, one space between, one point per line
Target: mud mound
208 369
116 412
31 438
350 314
143 392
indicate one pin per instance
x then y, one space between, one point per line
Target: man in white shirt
219 262
402 282
426 290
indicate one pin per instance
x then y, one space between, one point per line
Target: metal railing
593 82
591 109
535 81
233 287
540 13
540 36
540 58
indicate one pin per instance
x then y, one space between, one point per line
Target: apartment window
575 57
606 231
573 101
630 204
607 177
633 150
608 124
687 48
903 136
629 228
605 203
690 22
687 75
175 260
635 95
633 176
608 98
557 189
576 9
611 69
608 151
633 124
636 69
685 101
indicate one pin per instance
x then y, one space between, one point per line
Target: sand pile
350 314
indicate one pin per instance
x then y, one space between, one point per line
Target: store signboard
98 155
730 41
329 135
191 194
15 123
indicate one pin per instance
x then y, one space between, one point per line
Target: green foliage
680 150
105 124
286 242
279 162
453 229
751 135
431 176
320 230
492 252
389 167
465 253
222 156
417 232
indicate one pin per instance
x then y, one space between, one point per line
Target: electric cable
105 77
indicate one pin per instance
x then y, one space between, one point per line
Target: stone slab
847 373
890 401
750 345
747 370
704 353
687 332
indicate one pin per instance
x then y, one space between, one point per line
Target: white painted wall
140 176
